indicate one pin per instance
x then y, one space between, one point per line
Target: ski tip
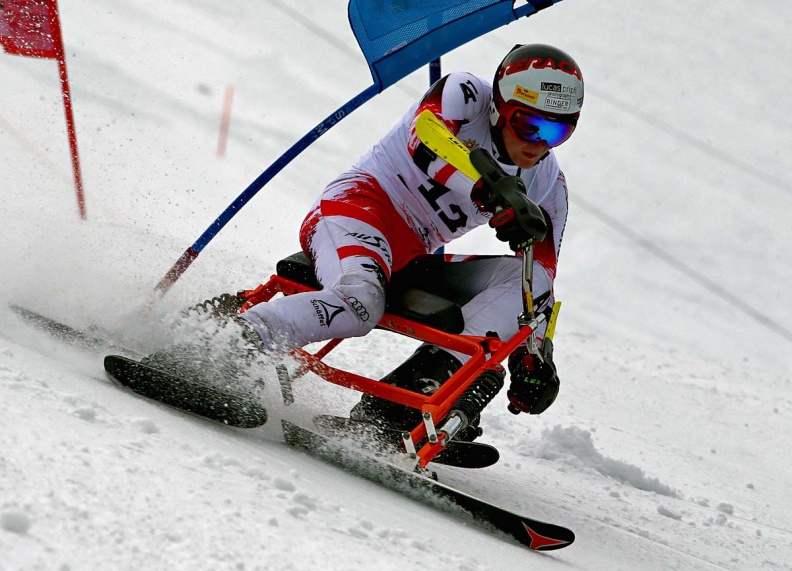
539 541
112 363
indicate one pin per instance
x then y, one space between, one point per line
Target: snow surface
666 449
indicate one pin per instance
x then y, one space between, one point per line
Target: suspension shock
477 396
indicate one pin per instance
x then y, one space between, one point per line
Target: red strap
503 217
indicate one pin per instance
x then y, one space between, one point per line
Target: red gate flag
3 25
32 28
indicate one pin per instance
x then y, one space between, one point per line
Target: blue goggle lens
532 127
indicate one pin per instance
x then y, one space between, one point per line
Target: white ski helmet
542 79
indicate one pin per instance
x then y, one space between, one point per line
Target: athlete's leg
348 235
489 289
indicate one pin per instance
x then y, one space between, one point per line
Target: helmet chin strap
497 124
498 146
543 157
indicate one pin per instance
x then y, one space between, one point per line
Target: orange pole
225 121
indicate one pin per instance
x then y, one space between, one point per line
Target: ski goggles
533 127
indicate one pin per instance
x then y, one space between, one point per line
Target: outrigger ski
457 453
534 534
242 409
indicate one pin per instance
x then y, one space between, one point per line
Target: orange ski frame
486 353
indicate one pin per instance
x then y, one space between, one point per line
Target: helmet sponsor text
557 103
539 63
525 94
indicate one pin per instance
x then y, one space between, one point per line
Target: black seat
403 298
298 268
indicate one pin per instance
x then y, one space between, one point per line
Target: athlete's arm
433 145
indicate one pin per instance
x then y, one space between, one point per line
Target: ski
91 339
534 534
241 408
459 454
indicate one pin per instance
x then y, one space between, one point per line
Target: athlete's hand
534 382
508 229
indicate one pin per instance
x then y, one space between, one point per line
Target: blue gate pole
435 72
192 252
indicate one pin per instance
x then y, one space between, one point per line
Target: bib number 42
432 191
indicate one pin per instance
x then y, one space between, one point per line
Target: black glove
516 218
508 229
534 382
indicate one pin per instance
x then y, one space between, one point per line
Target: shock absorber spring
477 396
480 393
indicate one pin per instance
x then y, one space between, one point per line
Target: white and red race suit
399 201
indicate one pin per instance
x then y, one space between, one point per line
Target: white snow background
667 448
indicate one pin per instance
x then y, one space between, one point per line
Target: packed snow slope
666 448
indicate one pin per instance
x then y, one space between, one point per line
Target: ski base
243 410
457 453
534 534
